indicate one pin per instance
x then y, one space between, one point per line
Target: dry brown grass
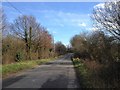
103 75
99 75
92 65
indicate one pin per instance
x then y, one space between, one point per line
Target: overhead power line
14 7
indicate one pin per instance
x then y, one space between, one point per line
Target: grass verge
16 67
82 72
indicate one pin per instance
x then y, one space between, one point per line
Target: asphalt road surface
55 74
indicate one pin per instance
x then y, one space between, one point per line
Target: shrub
19 56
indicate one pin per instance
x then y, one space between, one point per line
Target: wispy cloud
54 32
59 21
62 19
82 25
56 18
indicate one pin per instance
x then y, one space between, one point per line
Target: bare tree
3 22
60 48
78 43
107 18
25 27
44 43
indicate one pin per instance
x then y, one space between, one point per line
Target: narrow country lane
55 74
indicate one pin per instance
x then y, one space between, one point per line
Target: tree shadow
12 80
60 82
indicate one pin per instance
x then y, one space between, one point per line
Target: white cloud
54 32
82 24
60 18
55 21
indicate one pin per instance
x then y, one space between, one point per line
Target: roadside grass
0 71
95 75
16 67
82 72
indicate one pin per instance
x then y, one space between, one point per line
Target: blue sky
63 20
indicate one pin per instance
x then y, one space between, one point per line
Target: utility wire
18 10
14 7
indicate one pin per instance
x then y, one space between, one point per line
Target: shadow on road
10 81
56 82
